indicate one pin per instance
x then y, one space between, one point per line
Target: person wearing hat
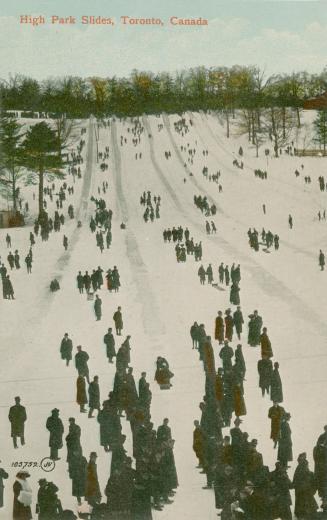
22 497
226 354
285 453
56 428
320 459
266 349
276 387
17 417
238 321
41 497
66 348
92 489
81 396
282 486
275 414
3 475
109 341
255 325
118 319
81 359
229 325
305 488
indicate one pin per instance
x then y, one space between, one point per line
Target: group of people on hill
268 239
152 211
190 248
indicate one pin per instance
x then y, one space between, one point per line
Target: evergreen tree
11 171
320 127
41 155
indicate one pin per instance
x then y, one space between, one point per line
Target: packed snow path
160 299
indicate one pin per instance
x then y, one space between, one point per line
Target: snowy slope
160 299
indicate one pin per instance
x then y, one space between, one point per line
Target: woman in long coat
285 453
22 504
305 489
78 475
92 488
239 403
234 297
109 279
276 388
220 328
81 396
104 418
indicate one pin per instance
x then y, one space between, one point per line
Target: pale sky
278 35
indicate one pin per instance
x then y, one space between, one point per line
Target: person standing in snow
97 307
321 260
66 348
118 319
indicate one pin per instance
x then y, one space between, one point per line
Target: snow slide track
267 282
152 323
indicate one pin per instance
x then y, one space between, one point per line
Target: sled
90 296
166 386
216 286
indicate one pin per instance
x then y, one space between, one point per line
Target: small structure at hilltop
11 218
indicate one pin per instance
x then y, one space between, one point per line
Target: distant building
316 103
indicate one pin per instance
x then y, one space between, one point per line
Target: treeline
219 88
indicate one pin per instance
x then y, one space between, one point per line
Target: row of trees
27 157
217 88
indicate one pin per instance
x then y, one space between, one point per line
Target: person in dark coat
118 319
78 473
276 389
221 272
73 441
141 498
22 497
194 335
41 498
92 488
80 282
238 321
94 396
227 276
106 418
17 417
281 492
320 459
56 428
3 476
142 386
285 453
266 350
275 414
239 403
81 396
255 325
66 348
109 341
226 354
234 296
164 431
321 260
97 307
16 259
229 324
199 443
220 328
305 488
81 359
239 360
265 369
